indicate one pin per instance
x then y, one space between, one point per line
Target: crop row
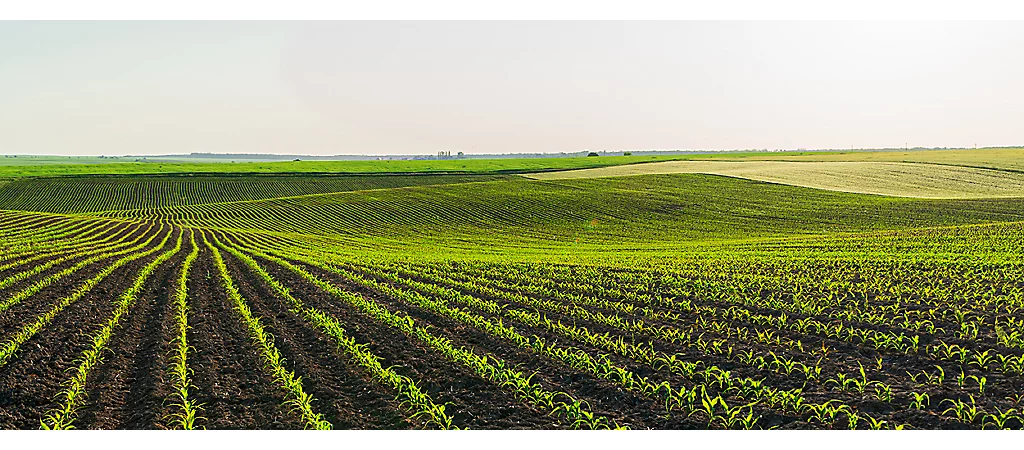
78 195
73 395
836 381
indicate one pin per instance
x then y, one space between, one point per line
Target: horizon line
453 153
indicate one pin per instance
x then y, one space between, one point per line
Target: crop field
866 177
495 301
72 195
1001 158
51 166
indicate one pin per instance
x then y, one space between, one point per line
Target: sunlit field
734 294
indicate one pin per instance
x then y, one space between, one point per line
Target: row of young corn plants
27 226
895 298
847 306
67 232
895 341
882 341
984 360
86 234
843 382
10 346
42 283
297 399
953 351
100 247
133 196
981 361
743 387
73 396
50 228
62 247
951 290
571 411
691 337
414 211
830 406
628 295
46 230
971 414
689 400
406 389
185 415
601 366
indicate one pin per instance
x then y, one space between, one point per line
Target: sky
326 88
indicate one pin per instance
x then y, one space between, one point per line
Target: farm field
866 177
21 166
55 166
486 300
1000 158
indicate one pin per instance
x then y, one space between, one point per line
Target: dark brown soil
476 403
128 390
814 391
230 381
13 318
345 396
30 382
604 397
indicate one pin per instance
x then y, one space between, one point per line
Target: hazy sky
90 88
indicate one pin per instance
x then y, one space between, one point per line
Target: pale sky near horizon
115 88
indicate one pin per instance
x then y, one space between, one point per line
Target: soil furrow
235 391
476 403
129 387
29 383
347 399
